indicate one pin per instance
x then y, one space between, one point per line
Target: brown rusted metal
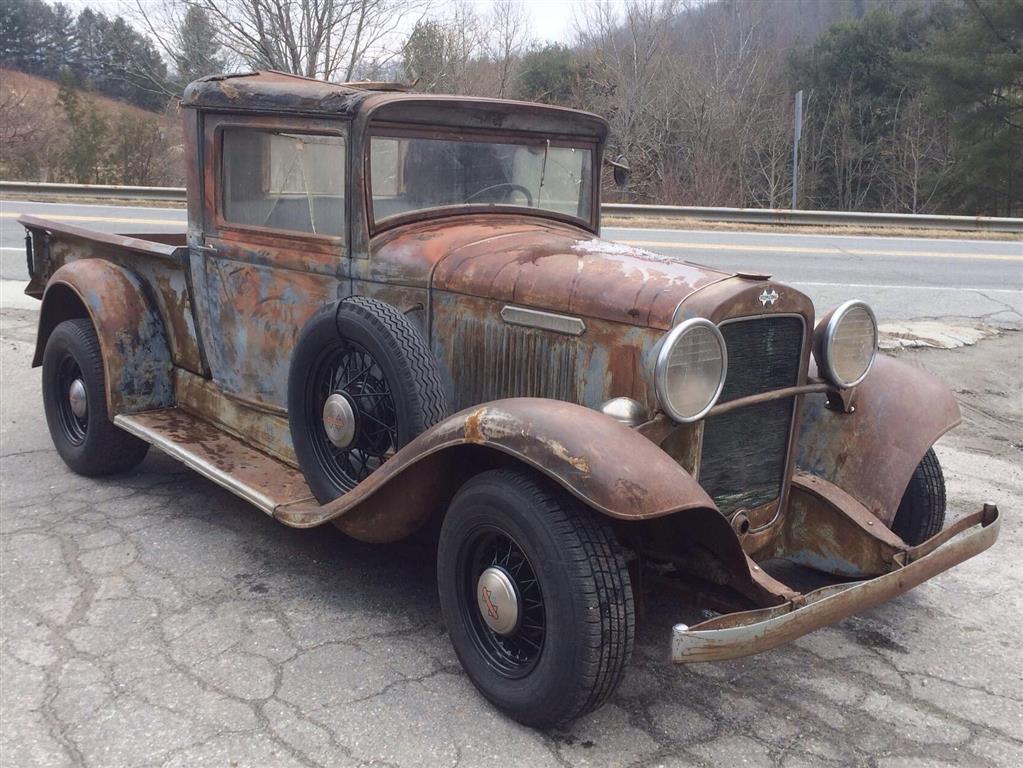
605 464
828 530
157 264
215 454
871 453
741 634
133 343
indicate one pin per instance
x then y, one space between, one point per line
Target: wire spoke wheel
347 369
513 649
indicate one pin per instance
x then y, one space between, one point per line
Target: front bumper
742 634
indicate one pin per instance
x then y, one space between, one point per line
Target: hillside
109 142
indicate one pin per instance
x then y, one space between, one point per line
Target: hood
549 266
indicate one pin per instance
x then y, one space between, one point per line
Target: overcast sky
552 19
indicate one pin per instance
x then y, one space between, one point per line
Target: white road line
956 289
801 235
826 252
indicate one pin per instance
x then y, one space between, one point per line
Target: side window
283 180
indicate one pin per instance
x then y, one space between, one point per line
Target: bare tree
918 158
509 36
466 51
326 39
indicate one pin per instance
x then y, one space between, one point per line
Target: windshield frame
383 129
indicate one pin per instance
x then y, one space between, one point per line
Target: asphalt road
153 619
903 278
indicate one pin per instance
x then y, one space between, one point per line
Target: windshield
412 173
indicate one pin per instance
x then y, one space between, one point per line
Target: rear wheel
74 398
921 513
536 596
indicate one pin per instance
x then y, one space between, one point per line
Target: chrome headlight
846 345
690 369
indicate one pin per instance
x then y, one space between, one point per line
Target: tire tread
601 578
921 512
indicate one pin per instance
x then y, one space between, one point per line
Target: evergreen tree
200 49
973 68
548 74
85 148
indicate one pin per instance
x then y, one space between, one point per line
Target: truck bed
44 259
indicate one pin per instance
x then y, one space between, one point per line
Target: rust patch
473 426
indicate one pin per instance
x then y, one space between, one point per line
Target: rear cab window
284 180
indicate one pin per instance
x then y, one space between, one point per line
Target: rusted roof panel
271 91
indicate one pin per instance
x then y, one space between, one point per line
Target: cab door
274 245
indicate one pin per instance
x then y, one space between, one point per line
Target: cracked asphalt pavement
153 619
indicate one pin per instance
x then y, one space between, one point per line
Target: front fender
136 355
900 411
608 466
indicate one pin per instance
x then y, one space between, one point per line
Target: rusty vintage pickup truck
391 309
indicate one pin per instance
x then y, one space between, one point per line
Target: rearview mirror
621 170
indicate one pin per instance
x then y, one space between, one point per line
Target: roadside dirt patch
933 333
987 379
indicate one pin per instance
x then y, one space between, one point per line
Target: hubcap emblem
339 420
78 399
498 600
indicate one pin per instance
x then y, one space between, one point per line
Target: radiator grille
495 360
744 451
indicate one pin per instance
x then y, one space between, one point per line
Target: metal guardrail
621 210
103 191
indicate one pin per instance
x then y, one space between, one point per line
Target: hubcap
501 602
339 420
77 398
498 600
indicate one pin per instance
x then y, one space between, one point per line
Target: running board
227 461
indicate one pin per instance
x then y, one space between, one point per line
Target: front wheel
536 596
921 512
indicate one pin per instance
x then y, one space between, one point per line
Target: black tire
921 512
585 597
90 445
399 398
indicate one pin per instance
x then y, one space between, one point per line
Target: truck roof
270 91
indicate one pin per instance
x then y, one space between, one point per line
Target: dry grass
42 197
34 129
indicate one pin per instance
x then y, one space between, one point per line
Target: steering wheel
509 187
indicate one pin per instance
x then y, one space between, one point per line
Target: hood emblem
768 297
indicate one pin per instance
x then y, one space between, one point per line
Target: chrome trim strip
197 463
547 321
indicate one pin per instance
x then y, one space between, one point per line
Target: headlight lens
846 347
691 367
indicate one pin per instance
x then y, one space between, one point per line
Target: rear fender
897 414
609 467
136 356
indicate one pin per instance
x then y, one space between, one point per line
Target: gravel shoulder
152 619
